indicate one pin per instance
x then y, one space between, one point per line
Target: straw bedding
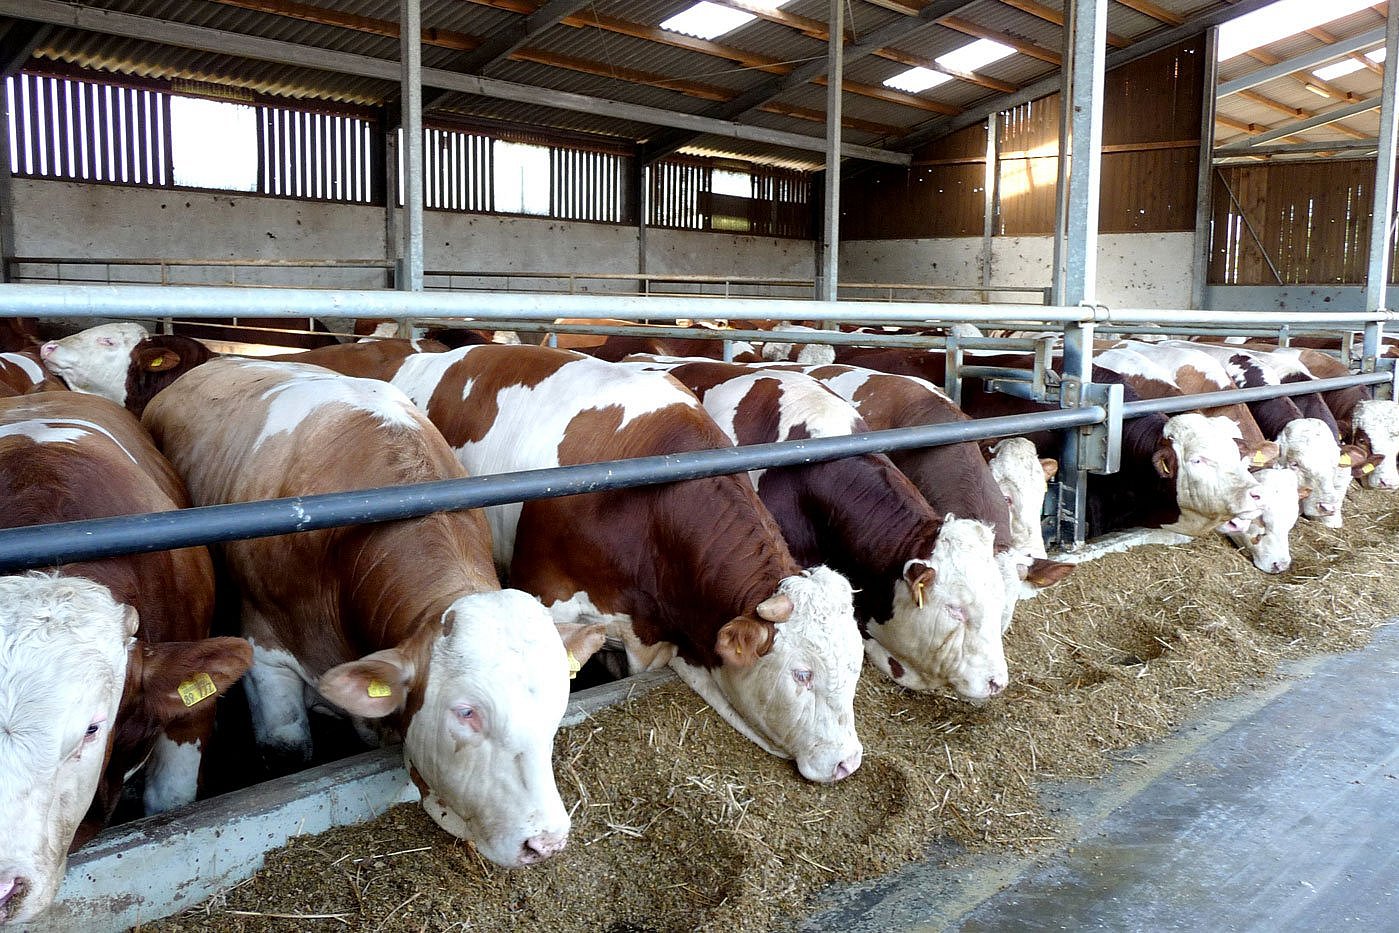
680 824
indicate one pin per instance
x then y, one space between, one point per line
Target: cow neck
390 592
955 479
718 554
1274 414
1313 405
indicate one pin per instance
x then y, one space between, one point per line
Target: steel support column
991 193
1381 239
411 56
830 228
1204 185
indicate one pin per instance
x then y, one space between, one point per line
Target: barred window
706 194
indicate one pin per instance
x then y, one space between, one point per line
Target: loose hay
680 824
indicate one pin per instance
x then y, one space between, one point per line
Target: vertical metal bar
7 203
1377 277
390 186
411 55
1082 99
835 79
988 217
1204 185
1073 474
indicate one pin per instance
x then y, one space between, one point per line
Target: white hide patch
1016 467
1266 541
954 638
276 685
1379 419
311 388
63 655
483 739
30 368
1213 484
531 421
1308 446
95 361
812 722
60 431
172 775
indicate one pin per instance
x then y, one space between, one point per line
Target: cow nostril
848 766
1255 495
994 686
11 889
47 349
1278 566
540 847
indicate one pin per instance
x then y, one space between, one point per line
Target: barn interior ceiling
738 78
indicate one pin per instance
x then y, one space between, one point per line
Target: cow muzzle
14 888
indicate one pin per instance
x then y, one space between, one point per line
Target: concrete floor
1278 810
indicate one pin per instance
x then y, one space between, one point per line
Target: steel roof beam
17 43
1301 62
775 87
1141 48
1244 146
187 36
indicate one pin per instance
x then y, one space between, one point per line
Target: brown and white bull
402 625
105 666
21 373
693 573
122 362
929 592
1369 423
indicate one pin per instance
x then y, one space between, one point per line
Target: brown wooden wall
1151 133
1312 220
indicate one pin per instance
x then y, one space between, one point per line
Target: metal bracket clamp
952 369
1390 389
1101 449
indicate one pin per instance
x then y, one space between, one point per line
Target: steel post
1204 184
411 56
990 192
1082 100
1382 213
835 78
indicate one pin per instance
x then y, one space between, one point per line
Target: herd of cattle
765 592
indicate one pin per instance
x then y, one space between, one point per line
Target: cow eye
465 713
1196 460
92 729
803 678
107 341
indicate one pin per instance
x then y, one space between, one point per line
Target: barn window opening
521 178
214 144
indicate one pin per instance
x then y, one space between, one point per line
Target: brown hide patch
158 361
465 420
759 412
378 359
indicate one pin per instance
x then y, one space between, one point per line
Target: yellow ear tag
1345 459
197 689
1368 468
156 363
378 689
918 594
573 666
1259 458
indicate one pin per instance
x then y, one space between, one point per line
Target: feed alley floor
1275 810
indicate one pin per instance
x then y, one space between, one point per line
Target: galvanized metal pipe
831 337
411 94
1258 394
47 545
1377 269
153 301
835 85
1204 176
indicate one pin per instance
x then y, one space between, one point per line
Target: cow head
1375 424
64 642
96 360
947 620
1024 480
483 694
1213 484
1308 446
1266 538
788 675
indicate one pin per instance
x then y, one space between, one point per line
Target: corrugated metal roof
596 51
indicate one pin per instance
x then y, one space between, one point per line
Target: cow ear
743 640
1047 572
988 448
373 687
1164 461
180 677
1351 456
156 359
1050 467
1343 429
1262 454
1366 465
581 642
919 577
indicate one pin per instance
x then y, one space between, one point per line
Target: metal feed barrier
180 859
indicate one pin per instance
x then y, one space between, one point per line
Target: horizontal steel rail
154 301
1232 396
269 263
47 545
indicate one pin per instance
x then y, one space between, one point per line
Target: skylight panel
1280 20
707 20
916 79
978 54
1347 66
